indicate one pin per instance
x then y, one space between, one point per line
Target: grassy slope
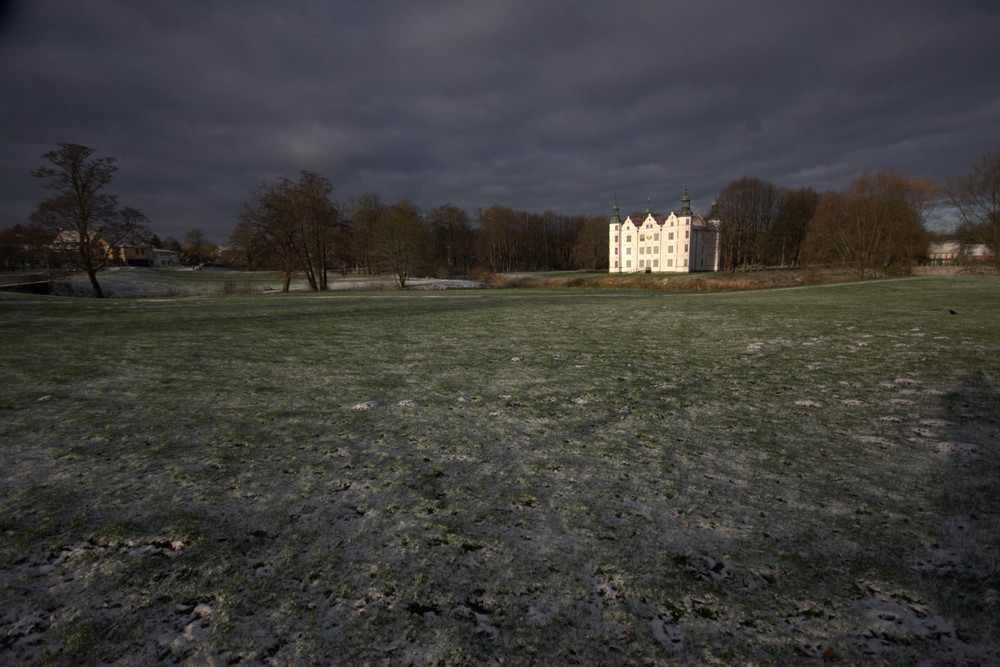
548 477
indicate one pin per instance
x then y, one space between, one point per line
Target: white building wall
663 245
158 257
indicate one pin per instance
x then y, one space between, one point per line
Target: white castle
672 244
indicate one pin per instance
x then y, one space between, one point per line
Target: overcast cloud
532 104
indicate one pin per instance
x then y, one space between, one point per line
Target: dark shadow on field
964 572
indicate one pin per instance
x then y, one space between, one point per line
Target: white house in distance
160 257
955 253
678 243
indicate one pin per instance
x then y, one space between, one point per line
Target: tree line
877 225
296 227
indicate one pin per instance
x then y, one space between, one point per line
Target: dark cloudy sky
533 104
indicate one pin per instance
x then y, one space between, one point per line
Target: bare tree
197 248
248 247
399 240
784 240
510 240
590 251
264 227
451 236
84 220
318 223
747 209
365 212
876 224
496 241
976 195
291 227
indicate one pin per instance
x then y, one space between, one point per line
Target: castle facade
677 243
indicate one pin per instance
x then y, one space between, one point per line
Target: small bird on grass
952 311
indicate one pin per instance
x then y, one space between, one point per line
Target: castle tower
614 240
685 204
714 236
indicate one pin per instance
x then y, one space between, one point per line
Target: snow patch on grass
960 449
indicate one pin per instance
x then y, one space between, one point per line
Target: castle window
656 237
616 238
628 251
656 263
628 264
670 248
687 233
670 262
628 239
685 247
670 236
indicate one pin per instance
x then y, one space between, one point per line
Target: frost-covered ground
148 282
517 477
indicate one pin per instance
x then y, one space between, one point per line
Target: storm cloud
535 105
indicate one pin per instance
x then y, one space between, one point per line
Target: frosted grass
533 477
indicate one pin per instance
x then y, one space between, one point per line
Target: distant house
956 253
67 242
161 257
122 255
677 243
131 255
69 239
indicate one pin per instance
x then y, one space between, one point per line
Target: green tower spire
714 215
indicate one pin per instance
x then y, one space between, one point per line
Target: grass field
137 282
526 477
149 282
